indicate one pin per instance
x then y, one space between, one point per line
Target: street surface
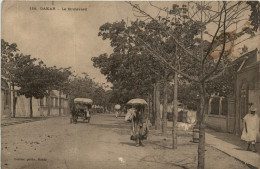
104 143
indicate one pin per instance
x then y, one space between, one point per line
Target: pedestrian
86 111
131 113
251 128
117 109
116 113
139 126
74 113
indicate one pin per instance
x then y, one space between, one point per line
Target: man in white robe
251 128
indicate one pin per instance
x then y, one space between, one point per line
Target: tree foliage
255 14
32 77
9 59
85 87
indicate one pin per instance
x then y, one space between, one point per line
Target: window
243 102
224 106
41 102
52 102
6 95
56 102
215 106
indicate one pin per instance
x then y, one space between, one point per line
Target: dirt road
104 143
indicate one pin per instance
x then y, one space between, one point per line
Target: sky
64 38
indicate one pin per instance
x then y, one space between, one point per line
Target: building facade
5 99
58 104
227 114
247 90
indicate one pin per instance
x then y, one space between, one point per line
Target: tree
60 81
31 78
55 79
126 69
8 65
131 68
36 80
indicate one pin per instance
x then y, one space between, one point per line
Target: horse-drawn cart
81 109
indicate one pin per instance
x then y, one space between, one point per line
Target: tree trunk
202 126
31 110
49 104
149 107
154 105
10 99
157 105
235 131
175 112
165 104
201 119
59 103
14 101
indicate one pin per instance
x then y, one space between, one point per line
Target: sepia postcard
130 84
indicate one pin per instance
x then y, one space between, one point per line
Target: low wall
217 122
54 111
23 107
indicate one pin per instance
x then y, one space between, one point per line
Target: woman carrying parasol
139 120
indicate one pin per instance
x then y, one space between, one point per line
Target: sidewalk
19 120
233 146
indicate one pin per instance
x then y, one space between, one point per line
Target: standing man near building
251 128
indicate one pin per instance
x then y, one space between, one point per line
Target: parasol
137 101
117 106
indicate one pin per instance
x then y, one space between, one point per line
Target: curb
19 122
249 165
27 121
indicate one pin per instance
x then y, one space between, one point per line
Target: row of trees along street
32 78
30 75
190 45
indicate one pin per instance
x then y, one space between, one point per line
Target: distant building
54 104
39 106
